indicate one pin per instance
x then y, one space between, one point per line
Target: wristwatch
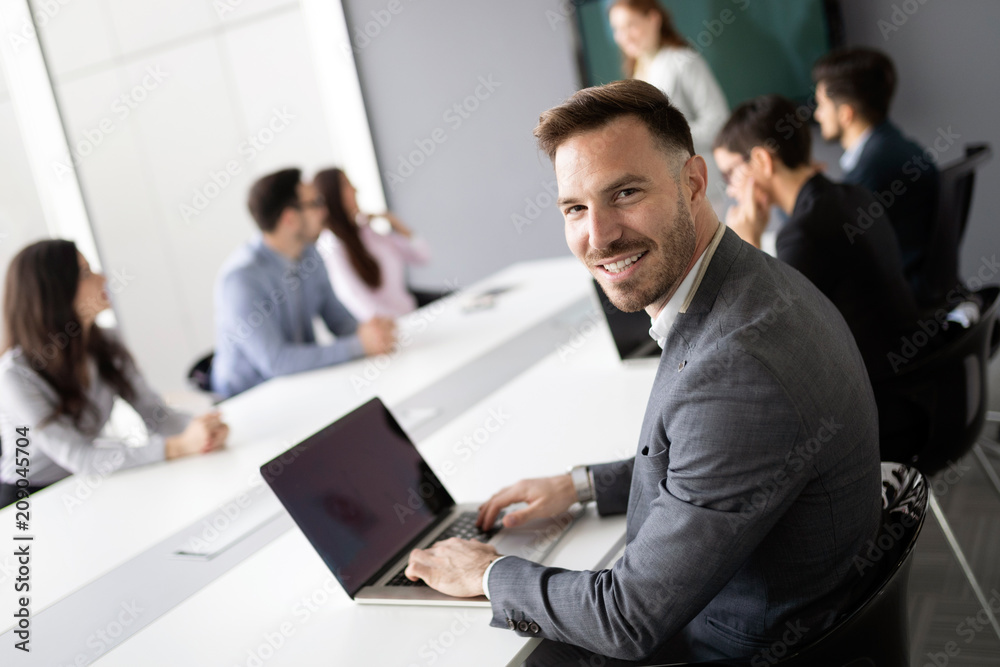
582 483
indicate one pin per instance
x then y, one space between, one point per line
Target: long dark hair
345 228
669 36
39 316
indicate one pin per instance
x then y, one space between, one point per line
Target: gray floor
943 601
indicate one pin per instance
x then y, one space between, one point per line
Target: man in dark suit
854 88
756 477
853 259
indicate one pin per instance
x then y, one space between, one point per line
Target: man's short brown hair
593 108
862 78
271 195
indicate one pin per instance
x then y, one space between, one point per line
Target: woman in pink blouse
367 269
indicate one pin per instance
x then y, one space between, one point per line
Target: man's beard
677 250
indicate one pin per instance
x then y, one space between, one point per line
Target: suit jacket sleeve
612 482
703 471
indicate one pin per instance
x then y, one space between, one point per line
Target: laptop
630 331
364 497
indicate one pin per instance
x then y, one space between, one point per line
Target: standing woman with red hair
656 53
60 374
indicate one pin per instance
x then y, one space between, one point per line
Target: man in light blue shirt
271 288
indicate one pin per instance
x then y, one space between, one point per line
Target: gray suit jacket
755 483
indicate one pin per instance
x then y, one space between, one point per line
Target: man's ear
762 161
285 219
845 114
695 174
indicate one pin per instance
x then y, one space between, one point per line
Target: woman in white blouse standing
60 374
367 269
656 53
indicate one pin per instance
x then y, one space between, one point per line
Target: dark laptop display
630 331
359 491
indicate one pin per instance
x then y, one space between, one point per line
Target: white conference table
124 514
127 512
282 606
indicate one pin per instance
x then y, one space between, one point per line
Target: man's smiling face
626 215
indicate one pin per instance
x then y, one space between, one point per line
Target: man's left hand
453 566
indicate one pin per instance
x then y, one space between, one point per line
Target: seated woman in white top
367 269
60 374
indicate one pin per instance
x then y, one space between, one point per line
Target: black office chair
939 272
943 394
200 375
874 633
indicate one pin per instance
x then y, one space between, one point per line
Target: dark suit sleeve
706 514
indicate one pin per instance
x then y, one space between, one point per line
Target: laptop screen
630 331
359 491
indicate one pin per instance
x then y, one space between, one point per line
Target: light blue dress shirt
264 307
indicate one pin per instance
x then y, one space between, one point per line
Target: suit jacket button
534 628
522 626
510 624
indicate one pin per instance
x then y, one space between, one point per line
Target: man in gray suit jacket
755 483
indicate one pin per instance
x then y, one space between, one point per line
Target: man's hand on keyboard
453 566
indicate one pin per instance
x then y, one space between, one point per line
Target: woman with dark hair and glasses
60 374
367 269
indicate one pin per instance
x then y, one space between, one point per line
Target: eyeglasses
729 174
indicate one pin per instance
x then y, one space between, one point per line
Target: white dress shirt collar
849 160
682 298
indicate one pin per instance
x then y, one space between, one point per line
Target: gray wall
469 180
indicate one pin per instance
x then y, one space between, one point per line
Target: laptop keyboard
465 527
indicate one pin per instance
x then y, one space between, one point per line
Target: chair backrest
956 182
947 388
200 375
875 632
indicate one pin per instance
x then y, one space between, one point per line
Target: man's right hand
546 497
377 335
